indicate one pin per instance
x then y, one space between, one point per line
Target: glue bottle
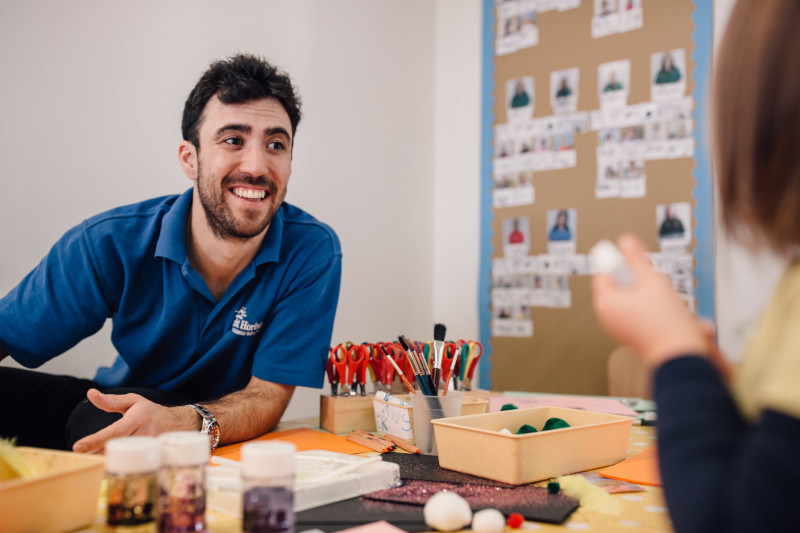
268 485
182 482
132 465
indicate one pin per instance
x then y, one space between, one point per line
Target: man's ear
187 156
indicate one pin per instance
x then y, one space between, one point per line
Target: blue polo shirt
130 264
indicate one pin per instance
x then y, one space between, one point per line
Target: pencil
367 443
377 439
402 443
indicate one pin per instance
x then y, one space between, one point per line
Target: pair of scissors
449 358
475 352
347 360
377 367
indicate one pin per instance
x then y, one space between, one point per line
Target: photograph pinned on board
513 189
544 143
613 83
608 137
520 99
562 230
512 321
508 35
674 225
608 178
528 24
564 90
516 236
606 18
632 134
668 75
631 15
634 180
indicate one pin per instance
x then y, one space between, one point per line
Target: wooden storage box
61 497
343 414
474 445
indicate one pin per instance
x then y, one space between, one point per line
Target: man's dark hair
236 80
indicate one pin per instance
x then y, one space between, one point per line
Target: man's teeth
253 194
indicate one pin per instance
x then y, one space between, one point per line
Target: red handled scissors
347 360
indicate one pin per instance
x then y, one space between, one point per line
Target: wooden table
641 511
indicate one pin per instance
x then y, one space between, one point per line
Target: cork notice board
594 132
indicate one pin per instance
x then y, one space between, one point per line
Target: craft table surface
641 511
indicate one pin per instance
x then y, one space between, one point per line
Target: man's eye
276 145
235 141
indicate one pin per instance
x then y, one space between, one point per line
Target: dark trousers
48 411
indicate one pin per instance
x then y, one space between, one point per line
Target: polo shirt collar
172 239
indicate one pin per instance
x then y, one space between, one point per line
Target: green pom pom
526 429
509 407
555 423
553 487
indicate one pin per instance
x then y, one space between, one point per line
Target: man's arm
241 415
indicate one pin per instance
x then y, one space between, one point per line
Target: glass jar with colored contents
182 482
268 485
132 465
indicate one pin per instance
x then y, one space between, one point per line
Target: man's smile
249 194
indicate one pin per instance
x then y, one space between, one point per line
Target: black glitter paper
426 468
359 511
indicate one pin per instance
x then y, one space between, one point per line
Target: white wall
91 102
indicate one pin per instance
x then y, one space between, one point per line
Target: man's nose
255 161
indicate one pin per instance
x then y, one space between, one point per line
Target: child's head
756 123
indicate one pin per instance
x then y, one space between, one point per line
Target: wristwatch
210 425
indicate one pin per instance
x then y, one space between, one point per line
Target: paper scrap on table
305 439
382 526
599 405
641 468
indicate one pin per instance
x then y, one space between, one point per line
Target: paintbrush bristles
439 332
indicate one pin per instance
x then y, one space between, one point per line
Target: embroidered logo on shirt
242 327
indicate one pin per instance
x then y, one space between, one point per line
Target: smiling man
222 298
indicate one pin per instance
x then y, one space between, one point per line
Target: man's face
244 162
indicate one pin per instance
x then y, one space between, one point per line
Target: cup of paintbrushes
427 408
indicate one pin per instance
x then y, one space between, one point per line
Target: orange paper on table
641 468
304 439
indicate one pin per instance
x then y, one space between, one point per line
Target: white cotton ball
447 511
488 521
506 431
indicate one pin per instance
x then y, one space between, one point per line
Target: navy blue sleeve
719 472
58 304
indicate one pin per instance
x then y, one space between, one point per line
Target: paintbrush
412 359
422 365
399 372
439 331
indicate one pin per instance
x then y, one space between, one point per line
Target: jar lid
133 455
184 448
268 459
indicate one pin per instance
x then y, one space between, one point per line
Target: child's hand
647 316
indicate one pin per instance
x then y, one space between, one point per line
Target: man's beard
219 215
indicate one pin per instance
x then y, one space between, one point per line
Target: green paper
509 407
526 428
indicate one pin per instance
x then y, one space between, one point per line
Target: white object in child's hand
607 259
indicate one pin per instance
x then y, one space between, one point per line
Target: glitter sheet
426 467
534 503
